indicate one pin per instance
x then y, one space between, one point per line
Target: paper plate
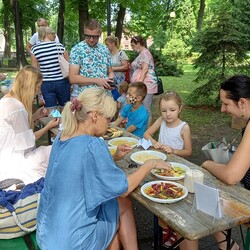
142 156
164 200
176 176
123 140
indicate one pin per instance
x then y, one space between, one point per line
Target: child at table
134 111
175 135
174 138
97 213
122 100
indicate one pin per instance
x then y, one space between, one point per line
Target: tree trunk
60 24
20 56
119 22
7 32
83 16
201 14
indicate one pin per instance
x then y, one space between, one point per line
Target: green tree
222 50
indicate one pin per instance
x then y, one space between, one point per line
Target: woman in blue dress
84 203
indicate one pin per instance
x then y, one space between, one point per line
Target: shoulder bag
64 64
18 210
159 85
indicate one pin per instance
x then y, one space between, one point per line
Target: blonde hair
123 87
41 33
44 31
171 95
113 39
92 24
24 88
91 99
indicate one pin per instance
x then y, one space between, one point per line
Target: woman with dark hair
143 70
235 98
235 101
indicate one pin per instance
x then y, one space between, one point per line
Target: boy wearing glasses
90 61
135 111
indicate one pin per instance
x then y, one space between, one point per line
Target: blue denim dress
78 207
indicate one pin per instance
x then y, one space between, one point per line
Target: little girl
174 135
122 100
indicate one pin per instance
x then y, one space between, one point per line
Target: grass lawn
183 85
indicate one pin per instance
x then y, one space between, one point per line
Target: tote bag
18 210
64 65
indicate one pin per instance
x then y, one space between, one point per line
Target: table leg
228 239
49 137
157 234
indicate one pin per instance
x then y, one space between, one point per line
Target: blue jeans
56 93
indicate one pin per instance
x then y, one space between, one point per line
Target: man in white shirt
41 22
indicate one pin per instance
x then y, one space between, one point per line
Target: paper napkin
208 200
55 113
144 143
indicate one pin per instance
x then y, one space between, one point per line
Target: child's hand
158 145
167 149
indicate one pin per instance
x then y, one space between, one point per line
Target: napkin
55 113
144 143
208 200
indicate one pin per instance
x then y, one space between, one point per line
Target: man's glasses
91 36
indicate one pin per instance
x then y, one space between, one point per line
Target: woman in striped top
44 56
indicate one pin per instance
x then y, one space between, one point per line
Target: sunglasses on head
91 36
135 39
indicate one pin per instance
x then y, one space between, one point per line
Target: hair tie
75 105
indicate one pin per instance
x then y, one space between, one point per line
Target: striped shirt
46 54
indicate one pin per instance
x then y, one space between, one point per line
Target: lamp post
172 16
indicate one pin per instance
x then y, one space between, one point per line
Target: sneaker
171 239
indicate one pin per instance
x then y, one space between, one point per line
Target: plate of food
177 172
112 133
112 149
130 141
164 191
141 157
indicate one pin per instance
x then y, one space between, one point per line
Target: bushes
163 66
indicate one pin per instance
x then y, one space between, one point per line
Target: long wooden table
181 217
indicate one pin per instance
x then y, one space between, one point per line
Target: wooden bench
27 242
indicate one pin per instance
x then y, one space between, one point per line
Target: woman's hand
53 123
160 164
41 112
205 164
121 151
